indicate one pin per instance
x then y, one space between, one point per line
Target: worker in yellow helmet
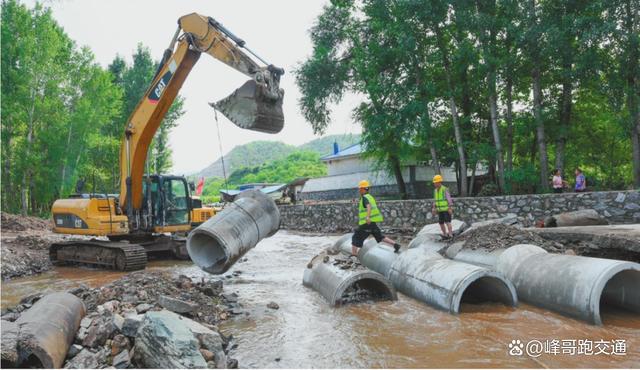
442 206
368 218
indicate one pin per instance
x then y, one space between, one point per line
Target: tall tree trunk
397 171
473 179
509 119
633 98
537 113
434 157
496 139
565 105
537 101
454 111
7 192
26 177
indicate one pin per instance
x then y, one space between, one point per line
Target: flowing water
305 332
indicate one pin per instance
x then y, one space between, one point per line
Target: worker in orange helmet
369 216
442 207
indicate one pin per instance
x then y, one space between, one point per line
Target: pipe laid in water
219 242
577 286
46 330
351 284
423 274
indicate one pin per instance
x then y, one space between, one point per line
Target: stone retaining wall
618 207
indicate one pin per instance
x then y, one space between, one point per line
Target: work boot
396 248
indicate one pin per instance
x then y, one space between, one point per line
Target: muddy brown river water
305 332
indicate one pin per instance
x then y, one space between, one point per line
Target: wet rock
10 316
143 307
273 305
165 340
118 321
232 363
74 350
184 282
9 344
208 355
121 360
233 297
86 359
111 306
102 328
131 325
86 322
212 288
177 305
119 343
29 300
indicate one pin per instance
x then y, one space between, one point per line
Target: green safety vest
376 216
440 195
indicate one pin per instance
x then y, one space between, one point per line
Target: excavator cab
166 204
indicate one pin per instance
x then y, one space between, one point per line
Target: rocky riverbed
130 318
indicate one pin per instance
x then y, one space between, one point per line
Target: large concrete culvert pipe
45 331
341 282
219 242
573 285
421 273
445 284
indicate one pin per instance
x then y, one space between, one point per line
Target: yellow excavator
154 212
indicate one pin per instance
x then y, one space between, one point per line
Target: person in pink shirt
557 182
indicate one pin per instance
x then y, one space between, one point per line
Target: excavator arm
256 105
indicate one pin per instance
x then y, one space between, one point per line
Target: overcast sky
276 30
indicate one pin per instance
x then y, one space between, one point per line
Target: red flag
200 186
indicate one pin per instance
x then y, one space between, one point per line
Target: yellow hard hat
437 178
363 184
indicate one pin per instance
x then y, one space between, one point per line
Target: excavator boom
256 105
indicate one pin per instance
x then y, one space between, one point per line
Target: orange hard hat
363 184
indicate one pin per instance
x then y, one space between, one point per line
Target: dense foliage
518 87
63 115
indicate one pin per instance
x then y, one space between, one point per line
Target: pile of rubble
148 320
23 223
498 236
25 245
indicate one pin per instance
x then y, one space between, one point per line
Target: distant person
557 182
442 207
368 218
581 181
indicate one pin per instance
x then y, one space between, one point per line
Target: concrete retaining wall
617 206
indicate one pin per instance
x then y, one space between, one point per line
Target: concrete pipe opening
365 290
621 292
486 289
208 252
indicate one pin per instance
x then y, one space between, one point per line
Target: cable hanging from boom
224 170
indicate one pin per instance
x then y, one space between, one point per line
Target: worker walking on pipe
368 218
442 207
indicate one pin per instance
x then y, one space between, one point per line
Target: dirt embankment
25 245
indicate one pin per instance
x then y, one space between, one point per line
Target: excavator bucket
254 107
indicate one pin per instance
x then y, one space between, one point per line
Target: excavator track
121 256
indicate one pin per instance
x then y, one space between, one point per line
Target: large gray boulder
583 217
168 340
